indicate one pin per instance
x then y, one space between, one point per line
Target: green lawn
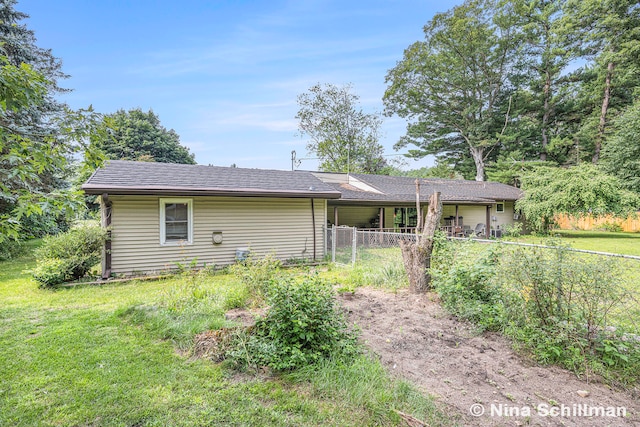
118 355
602 241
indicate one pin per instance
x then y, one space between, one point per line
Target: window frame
503 207
163 224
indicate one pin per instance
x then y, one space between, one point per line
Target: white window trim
503 207
163 230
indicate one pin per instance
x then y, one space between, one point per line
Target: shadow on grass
596 234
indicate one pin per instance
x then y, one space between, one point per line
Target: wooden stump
416 256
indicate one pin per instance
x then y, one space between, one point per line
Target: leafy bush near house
302 326
70 255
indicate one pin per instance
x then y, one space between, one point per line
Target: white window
176 221
500 207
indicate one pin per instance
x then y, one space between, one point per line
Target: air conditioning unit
516 216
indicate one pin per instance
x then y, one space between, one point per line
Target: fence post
333 243
354 246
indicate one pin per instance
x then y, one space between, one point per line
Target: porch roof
381 189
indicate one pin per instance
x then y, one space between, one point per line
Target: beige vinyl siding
388 217
503 218
473 215
282 227
355 216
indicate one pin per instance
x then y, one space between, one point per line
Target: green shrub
52 271
467 290
611 226
69 256
571 300
513 230
10 249
302 326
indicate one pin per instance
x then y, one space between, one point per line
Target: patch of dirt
244 316
416 339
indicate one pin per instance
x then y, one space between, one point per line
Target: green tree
578 190
342 135
455 85
621 155
440 170
136 135
546 56
606 32
30 163
38 134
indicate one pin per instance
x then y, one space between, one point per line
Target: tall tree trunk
417 256
603 113
545 116
478 158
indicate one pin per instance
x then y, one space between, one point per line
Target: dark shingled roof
127 177
403 189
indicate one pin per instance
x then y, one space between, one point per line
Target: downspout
106 222
313 222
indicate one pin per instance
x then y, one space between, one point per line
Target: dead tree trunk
417 256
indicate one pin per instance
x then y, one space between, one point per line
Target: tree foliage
455 85
578 190
342 135
621 155
38 135
607 33
136 135
440 170
495 83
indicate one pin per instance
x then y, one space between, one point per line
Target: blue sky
225 74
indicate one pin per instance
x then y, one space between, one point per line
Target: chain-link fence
603 290
347 245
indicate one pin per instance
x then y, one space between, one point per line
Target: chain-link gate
346 244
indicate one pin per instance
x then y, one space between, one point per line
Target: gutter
190 191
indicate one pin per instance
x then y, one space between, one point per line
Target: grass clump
363 383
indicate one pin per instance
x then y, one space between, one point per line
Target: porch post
457 224
381 217
335 216
106 223
488 224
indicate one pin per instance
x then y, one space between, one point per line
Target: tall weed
563 307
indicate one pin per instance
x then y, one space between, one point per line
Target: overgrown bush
563 307
467 289
513 230
302 326
611 226
70 255
10 249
